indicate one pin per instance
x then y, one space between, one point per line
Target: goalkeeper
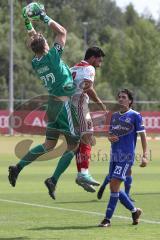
57 79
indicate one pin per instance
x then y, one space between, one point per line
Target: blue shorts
119 170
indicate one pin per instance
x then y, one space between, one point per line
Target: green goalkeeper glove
27 22
38 12
43 16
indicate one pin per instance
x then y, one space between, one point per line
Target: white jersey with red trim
80 72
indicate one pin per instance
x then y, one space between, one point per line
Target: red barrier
151 121
4 118
36 119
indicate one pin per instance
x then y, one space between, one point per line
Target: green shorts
62 119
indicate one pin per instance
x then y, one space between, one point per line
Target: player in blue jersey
127 182
56 77
124 127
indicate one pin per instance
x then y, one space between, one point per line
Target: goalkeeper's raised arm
28 24
36 11
59 30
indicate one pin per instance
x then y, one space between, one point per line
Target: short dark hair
94 52
37 43
129 94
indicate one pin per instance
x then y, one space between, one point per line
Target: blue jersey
126 126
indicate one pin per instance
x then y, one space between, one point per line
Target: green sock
62 165
33 154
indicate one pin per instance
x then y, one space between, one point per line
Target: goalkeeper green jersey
54 73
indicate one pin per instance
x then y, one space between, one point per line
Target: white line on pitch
73 210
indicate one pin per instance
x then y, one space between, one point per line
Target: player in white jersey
84 75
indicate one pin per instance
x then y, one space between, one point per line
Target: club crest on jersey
127 120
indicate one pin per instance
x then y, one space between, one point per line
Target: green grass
49 219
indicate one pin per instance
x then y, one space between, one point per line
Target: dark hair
37 43
129 94
93 52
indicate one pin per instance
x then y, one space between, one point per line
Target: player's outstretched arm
93 95
59 30
144 160
28 25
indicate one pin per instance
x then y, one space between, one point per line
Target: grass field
27 211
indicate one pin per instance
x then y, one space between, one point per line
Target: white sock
84 170
134 210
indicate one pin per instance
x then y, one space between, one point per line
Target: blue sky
141 6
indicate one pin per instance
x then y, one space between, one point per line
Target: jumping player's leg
62 165
83 179
65 160
83 154
31 156
86 130
83 157
66 124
